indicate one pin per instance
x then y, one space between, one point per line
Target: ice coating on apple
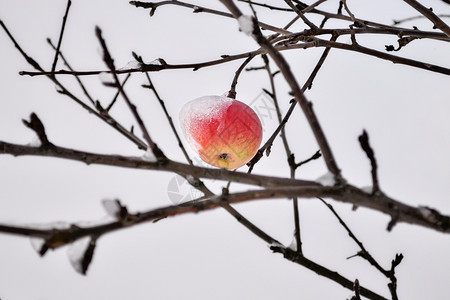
225 132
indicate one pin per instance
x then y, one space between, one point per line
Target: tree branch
428 13
423 216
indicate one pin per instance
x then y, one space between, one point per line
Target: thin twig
390 274
423 216
113 101
296 91
81 84
232 92
301 15
110 63
198 9
396 22
428 13
103 116
63 26
365 145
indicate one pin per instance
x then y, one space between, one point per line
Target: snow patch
425 212
246 24
112 207
156 62
149 156
327 179
131 65
35 142
106 78
190 179
367 189
276 245
36 242
293 245
76 252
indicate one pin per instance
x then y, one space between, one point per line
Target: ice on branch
191 179
107 79
327 179
131 65
112 207
425 211
293 245
38 243
367 189
80 254
157 62
246 24
35 142
149 156
275 245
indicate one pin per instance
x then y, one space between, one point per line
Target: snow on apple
225 132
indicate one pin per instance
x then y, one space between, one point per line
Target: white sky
210 255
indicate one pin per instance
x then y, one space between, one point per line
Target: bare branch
36 125
428 13
197 9
423 216
296 91
365 145
110 63
63 26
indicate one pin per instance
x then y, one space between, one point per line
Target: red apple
226 133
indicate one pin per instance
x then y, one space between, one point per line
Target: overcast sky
210 255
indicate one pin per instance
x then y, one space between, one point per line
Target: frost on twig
246 24
328 179
131 65
293 246
149 156
35 142
112 207
80 254
40 244
107 79
36 125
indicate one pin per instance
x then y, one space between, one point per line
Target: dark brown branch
110 63
333 275
232 92
396 22
389 57
103 115
55 238
227 58
197 9
315 156
271 7
139 163
296 91
301 14
36 125
428 13
357 290
63 26
151 67
365 145
390 274
283 122
113 101
423 216
80 83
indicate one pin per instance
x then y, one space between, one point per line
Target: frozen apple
226 133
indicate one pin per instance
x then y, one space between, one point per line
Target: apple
225 132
